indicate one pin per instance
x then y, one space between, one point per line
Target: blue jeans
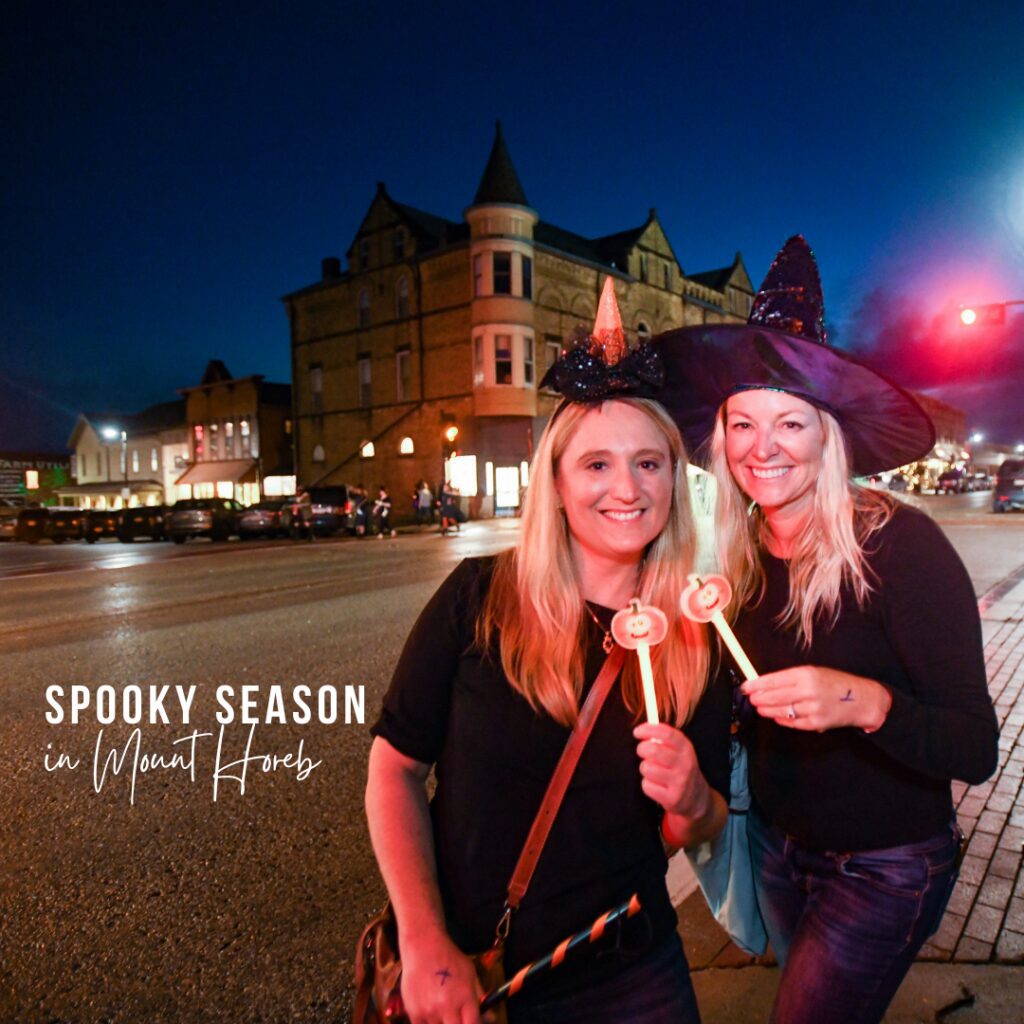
847 926
655 990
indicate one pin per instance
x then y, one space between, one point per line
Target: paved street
178 908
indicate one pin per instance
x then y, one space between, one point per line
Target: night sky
170 170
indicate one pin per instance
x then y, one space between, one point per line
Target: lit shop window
31 479
460 470
406 447
225 489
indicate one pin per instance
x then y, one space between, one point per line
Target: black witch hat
782 347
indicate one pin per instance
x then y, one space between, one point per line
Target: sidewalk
972 970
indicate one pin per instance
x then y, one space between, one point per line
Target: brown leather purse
378 998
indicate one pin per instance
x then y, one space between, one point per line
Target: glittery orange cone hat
599 365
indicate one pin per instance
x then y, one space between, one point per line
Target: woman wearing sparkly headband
862 620
487 690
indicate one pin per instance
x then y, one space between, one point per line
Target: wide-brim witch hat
782 347
600 365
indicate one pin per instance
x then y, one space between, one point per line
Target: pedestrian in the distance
424 503
863 622
302 516
382 513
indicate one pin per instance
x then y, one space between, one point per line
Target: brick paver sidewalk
985 919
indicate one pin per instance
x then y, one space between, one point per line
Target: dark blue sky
170 170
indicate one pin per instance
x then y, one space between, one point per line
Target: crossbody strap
560 779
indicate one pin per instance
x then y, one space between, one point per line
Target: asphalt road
170 906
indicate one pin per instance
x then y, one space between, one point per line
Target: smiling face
615 479
774 443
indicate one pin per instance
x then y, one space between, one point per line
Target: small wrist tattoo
849 696
444 974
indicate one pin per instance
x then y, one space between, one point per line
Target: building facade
423 357
239 433
126 460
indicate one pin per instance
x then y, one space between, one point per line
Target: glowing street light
968 316
977 438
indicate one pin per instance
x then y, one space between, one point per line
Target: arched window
364 308
402 298
643 332
366 450
319 454
406 447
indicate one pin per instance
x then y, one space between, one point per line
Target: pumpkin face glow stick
638 628
703 601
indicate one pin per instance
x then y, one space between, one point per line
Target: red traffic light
990 315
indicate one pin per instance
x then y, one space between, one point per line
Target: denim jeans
846 927
655 990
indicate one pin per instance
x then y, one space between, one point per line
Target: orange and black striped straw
561 951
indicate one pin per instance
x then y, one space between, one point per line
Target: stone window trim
503 270
517 369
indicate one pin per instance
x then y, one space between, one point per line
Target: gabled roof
163 416
500 183
567 241
429 230
720 278
216 373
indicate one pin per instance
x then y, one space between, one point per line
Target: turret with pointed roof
500 183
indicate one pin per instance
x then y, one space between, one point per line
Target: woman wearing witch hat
861 619
502 667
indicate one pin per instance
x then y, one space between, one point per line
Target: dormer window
398 244
364 254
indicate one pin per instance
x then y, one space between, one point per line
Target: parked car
100 523
981 481
142 521
1008 491
216 518
331 508
8 521
269 518
56 523
898 482
953 481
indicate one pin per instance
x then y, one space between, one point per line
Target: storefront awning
231 470
110 487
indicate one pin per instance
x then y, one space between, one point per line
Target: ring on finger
791 712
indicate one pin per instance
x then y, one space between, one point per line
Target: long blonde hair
826 554
537 609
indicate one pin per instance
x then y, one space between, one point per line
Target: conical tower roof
500 183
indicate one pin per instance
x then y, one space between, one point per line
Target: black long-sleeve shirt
920 635
493 757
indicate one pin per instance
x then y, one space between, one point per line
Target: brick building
435 323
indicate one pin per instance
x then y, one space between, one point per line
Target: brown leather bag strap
560 779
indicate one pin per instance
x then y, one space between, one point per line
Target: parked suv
269 518
142 521
953 481
216 518
55 522
331 508
101 523
1008 491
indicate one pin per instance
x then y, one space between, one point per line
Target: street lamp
111 434
977 438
